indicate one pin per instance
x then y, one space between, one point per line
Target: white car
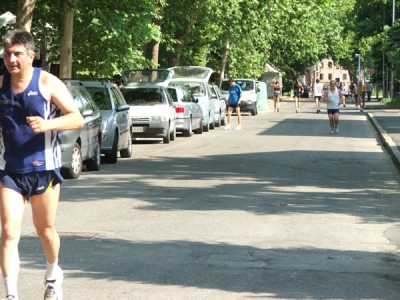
220 105
249 99
196 80
151 106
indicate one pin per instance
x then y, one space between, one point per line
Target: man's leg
228 126
331 123
239 115
12 206
44 209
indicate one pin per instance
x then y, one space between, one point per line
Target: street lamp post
358 70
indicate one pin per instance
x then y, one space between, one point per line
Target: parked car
189 115
81 146
117 123
151 106
220 105
196 80
249 99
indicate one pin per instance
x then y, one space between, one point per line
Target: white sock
10 284
51 271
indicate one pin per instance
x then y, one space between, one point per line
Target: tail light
179 109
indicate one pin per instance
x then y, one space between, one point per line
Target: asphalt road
278 210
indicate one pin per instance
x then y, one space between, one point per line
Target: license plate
137 129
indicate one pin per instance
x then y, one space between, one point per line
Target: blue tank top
22 150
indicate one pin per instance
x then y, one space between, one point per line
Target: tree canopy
234 37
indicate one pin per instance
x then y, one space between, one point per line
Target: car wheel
173 134
93 164
206 128
254 112
188 132
126 153
218 122
75 169
212 123
167 138
111 158
223 120
200 129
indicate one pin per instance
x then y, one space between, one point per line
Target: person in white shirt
345 93
318 87
333 98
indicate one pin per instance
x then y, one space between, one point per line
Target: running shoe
239 127
9 297
53 288
333 131
227 127
336 129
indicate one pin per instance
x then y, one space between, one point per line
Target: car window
213 93
225 85
101 96
117 97
173 94
169 98
143 96
246 85
77 97
196 88
86 100
187 95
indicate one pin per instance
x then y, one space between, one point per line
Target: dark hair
20 37
231 79
317 80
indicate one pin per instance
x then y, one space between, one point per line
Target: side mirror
123 107
87 113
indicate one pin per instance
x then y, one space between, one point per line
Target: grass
388 101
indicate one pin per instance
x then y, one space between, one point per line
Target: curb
387 140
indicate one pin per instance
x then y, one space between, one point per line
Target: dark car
306 91
117 123
81 146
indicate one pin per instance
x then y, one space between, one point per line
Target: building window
322 65
330 64
330 76
344 76
321 76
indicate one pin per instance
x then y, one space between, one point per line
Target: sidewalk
387 122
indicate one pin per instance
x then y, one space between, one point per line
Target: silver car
117 123
196 79
189 115
220 105
151 106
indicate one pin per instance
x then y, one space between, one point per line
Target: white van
249 98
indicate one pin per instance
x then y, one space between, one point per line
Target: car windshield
143 96
100 96
196 88
225 85
246 85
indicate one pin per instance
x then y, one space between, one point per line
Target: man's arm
55 91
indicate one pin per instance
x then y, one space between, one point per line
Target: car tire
223 121
212 126
218 122
93 164
75 169
112 157
167 137
188 132
206 128
200 129
127 152
254 112
173 134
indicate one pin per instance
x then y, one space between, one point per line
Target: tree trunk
224 60
66 40
174 58
154 52
25 14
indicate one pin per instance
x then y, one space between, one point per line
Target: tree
66 39
25 14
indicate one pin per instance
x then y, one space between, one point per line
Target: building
326 71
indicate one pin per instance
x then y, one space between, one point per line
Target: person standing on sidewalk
333 98
369 90
30 157
235 96
298 89
317 89
355 95
277 93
